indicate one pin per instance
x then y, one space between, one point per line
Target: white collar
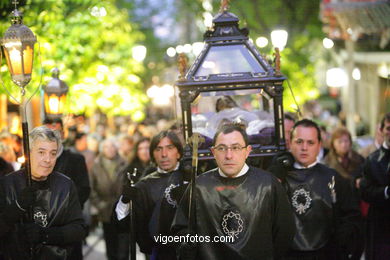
159 170
385 146
297 165
244 170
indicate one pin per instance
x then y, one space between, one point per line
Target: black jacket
59 206
376 177
73 165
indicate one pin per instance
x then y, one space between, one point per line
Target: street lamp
279 39
18 47
55 95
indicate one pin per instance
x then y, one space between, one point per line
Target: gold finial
182 64
224 5
277 62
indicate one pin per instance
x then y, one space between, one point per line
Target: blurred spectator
126 145
5 168
107 180
324 144
141 160
342 157
289 121
8 154
14 141
378 141
81 146
93 141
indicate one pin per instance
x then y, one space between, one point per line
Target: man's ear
212 151
248 150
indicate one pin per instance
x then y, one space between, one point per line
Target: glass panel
229 59
252 108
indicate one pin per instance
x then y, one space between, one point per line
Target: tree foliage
91 42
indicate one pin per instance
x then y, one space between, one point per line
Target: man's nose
164 152
46 158
229 153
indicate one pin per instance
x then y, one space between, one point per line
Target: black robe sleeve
283 226
4 227
348 224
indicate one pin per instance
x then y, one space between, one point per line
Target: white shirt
244 170
297 165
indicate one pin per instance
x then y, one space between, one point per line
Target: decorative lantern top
18 45
228 57
55 85
18 31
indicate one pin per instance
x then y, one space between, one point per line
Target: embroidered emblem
232 224
40 218
167 195
301 200
332 190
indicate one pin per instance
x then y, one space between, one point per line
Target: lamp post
18 47
55 95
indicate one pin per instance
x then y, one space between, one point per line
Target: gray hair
46 134
110 140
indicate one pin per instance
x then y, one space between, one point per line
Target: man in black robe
375 189
239 212
155 197
327 215
73 165
56 214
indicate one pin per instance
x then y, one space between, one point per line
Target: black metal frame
226 32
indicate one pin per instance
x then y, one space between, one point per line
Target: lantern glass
54 104
229 59
17 63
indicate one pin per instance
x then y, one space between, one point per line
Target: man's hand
281 164
128 193
34 233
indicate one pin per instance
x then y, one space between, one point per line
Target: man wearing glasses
241 212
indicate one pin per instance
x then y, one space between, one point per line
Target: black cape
327 215
56 206
376 177
252 208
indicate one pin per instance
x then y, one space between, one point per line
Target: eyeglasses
234 148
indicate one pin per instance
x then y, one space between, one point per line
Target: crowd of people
319 199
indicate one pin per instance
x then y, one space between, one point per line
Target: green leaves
90 42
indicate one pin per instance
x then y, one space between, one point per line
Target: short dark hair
171 136
386 118
79 135
290 116
49 121
229 128
306 123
